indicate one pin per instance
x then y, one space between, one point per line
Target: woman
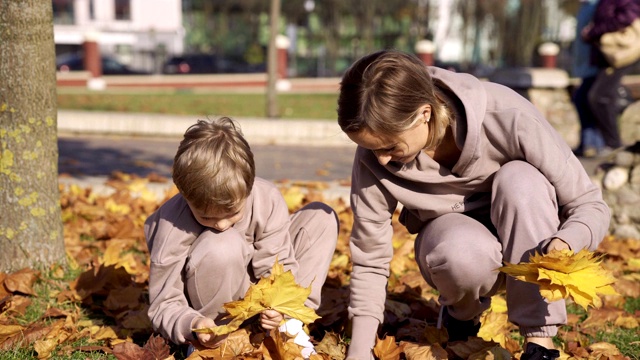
483 178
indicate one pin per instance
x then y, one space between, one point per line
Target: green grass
626 340
290 106
632 305
59 354
46 288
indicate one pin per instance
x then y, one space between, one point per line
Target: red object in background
91 60
425 49
282 46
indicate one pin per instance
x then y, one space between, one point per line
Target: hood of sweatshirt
471 105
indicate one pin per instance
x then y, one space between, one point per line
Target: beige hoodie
497 126
171 231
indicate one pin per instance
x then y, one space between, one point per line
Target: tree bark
30 220
522 33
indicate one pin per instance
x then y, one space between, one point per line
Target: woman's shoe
458 330
534 351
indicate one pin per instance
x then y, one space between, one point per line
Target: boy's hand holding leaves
278 292
562 274
207 339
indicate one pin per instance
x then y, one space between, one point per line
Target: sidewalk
256 131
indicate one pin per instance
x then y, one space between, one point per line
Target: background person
604 95
591 142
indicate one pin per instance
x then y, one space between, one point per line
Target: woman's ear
425 111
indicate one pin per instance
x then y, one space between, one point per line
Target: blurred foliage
333 33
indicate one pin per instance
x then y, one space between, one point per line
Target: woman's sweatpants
219 267
460 256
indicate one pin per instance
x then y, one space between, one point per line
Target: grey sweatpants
459 256
218 269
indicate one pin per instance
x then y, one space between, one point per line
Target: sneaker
537 352
458 330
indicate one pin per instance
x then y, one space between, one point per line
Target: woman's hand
557 244
208 340
270 319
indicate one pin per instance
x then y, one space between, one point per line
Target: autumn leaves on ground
95 307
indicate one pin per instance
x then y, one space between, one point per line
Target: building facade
138 33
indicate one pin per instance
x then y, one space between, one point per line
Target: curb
256 130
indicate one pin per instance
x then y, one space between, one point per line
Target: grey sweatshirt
497 126
171 231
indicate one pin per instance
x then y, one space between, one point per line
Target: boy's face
220 220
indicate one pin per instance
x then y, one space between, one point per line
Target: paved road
90 155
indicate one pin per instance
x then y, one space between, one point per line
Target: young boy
224 230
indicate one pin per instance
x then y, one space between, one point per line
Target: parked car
208 64
110 66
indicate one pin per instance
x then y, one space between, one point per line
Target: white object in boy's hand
293 328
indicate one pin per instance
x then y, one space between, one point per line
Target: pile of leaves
95 306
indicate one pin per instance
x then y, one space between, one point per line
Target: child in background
225 230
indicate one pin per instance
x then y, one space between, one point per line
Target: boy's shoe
458 330
537 352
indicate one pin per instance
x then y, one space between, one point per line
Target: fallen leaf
130 351
22 281
387 349
158 347
278 291
563 274
424 352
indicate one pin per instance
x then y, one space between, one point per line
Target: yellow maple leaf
294 197
495 325
279 291
119 209
561 274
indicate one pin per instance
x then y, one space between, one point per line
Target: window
123 9
63 12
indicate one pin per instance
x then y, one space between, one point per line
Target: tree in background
521 32
328 35
237 29
30 220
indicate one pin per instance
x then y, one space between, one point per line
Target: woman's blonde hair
383 92
214 166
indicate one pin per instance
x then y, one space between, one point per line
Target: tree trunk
30 220
521 34
272 61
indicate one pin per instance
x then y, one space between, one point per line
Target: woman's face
402 148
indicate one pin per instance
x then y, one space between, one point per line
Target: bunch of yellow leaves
279 292
562 274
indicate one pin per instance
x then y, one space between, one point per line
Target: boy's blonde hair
214 167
